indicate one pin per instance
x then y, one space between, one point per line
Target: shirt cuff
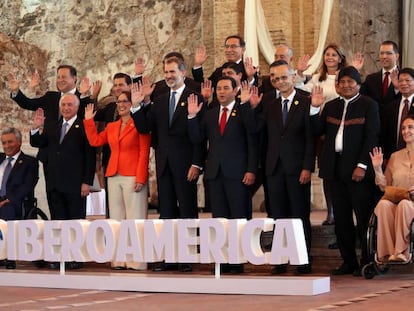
314 110
363 166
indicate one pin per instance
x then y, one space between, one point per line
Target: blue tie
6 174
172 106
63 131
285 111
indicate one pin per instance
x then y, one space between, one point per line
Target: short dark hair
350 71
72 70
242 43
278 63
408 71
232 65
121 75
173 54
233 82
178 61
127 94
394 45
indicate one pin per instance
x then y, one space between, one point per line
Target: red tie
404 114
385 84
223 120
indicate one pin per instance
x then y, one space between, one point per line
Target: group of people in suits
224 128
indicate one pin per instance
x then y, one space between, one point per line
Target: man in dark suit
19 174
382 86
351 126
290 153
231 162
66 83
71 160
234 48
391 138
178 160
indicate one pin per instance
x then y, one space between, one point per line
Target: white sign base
167 283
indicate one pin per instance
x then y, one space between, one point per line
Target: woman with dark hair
334 59
127 169
395 210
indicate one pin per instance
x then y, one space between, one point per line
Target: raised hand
89 113
35 80
317 98
38 118
207 89
255 99
13 82
192 105
147 87
85 86
137 94
358 60
303 64
200 56
377 157
245 92
394 78
249 68
96 89
140 66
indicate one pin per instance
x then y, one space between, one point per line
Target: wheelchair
376 266
30 210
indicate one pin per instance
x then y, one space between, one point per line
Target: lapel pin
296 102
182 104
20 162
76 126
233 113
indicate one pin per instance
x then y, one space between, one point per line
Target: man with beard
178 160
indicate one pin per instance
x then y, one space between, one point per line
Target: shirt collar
229 106
72 91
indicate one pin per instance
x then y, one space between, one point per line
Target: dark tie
385 83
172 106
6 174
285 111
63 131
404 114
223 120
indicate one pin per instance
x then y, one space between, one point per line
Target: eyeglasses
124 101
231 46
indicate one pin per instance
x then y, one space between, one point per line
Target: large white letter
130 241
187 240
52 238
160 240
12 234
213 240
31 240
235 227
250 240
289 243
73 240
100 241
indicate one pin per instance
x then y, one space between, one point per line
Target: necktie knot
406 102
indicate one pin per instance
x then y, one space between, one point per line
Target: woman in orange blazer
127 170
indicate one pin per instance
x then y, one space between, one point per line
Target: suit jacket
71 162
361 131
294 144
49 102
372 87
171 143
198 74
389 127
129 149
21 183
234 153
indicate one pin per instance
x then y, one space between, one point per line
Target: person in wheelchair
18 175
395 210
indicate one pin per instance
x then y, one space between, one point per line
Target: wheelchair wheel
36 213
369 271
